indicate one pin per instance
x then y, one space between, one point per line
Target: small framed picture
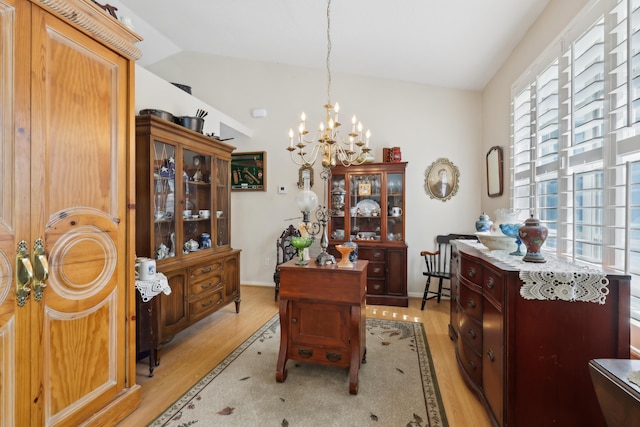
441 180
364 189
249 171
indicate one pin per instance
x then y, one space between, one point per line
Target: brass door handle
24 273
41 269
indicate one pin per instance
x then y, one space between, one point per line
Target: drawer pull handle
377 287
472 333
490 283
207 286
491 356
208 304
472 272
206 270
377 270
294 320
472 364
305 353
377 255
471 303
334 357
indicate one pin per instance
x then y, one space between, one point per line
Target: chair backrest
285 251
438 262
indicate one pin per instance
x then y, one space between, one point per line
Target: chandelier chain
329 52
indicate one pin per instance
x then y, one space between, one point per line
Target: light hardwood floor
195 351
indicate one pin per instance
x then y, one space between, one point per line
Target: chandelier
329 143
331 147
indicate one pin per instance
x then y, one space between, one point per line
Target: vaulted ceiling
450 43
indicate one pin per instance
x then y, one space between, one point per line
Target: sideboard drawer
205 305
375 286
470 301
376 270
372 254
471 362
204 270
471 270
493 285
471 331
203 286
324 355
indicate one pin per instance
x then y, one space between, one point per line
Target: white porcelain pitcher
145 268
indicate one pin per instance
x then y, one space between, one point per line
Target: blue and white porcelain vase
353 256
483 223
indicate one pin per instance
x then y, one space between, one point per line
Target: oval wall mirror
494 171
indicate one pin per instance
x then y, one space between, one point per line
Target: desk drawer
376 270
375 286
372 254
323 355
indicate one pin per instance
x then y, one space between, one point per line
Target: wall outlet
267 261
282 189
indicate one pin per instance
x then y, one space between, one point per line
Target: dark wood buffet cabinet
527 359
183 212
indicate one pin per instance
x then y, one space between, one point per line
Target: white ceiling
450 43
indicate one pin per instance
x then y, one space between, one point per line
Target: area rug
397 386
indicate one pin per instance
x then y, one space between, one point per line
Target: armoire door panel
78 161
15 184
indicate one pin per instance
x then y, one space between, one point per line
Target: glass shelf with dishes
367 203
196 215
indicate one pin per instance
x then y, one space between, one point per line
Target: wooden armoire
67 300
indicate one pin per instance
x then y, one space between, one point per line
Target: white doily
150 288
555 279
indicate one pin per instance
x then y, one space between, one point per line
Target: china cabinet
183 221
67 300
367 205
525 358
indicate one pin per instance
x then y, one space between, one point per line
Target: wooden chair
438 265
285 251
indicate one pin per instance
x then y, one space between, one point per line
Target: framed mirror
494 171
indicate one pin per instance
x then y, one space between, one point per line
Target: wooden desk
619 398
322 317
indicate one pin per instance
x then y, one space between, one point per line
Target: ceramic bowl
496 241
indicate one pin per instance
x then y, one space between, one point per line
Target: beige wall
496 97
426 122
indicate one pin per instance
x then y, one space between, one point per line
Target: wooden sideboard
527 359
322 316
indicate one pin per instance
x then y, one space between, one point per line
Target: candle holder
345 251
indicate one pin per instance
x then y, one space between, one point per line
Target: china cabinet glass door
197 203
164 180
222 202
365 202
395 202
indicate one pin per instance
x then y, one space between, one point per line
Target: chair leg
439 289
277 291
426 292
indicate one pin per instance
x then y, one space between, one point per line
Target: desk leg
354 363
281 371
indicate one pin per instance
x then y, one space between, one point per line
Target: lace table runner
150 288
555 279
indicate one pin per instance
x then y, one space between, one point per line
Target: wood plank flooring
195 351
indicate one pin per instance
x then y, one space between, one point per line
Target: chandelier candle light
328 144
